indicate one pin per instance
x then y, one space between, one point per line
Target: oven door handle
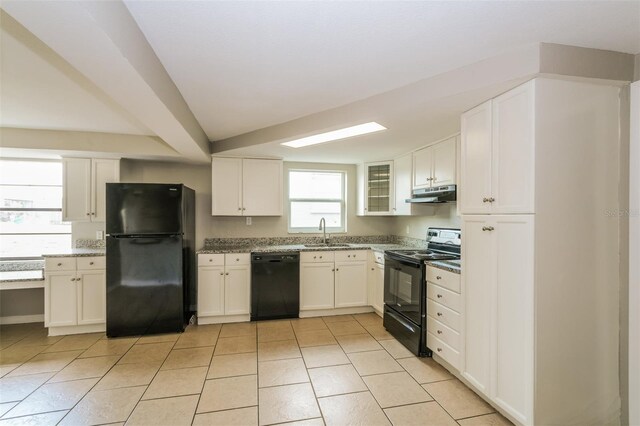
401 321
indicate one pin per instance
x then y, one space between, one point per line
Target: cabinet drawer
97 262
444 333
350 255
60 264
237 259
443 350
378 257
444 278
445 297
211 259
316 256
443 314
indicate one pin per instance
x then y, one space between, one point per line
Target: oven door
403 283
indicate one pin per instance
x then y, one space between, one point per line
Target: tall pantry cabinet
539 171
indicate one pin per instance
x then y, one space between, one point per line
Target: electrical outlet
99 235
248 221
407 231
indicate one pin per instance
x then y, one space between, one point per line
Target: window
314 195
31 209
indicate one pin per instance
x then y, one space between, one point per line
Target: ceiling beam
102 41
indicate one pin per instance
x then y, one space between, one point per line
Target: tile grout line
195 412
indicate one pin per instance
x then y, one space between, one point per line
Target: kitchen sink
326 245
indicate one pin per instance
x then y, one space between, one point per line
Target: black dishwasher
275 285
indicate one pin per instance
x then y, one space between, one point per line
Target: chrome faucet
323 228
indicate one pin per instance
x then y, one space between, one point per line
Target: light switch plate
248 221
99 235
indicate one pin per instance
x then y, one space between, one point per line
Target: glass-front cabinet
377 180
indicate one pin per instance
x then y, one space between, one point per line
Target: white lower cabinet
317 286
224 286
330 280
444 315
351 284
375 281
499 271
75 295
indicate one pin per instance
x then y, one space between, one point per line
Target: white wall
198 177
444 215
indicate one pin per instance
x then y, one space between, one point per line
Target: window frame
32 209
342 200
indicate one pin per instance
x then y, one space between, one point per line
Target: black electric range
405 288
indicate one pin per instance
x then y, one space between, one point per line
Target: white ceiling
39 90
243 66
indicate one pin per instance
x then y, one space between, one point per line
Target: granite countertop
78 252
298 248
448 265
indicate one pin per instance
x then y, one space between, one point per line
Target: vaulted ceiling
230 71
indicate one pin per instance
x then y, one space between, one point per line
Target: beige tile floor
340 370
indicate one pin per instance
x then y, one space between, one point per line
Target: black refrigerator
151 262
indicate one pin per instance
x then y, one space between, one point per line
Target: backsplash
90 244
210 243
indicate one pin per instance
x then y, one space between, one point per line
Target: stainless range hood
437 194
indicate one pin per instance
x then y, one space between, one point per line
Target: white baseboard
336 311
222 319
22 319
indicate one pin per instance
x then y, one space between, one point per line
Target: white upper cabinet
497 155
226 186
376 189
402 185
435 165
262 187
246 187
84 187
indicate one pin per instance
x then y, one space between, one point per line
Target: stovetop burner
422 255
442 244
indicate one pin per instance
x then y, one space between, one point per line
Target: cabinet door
316 286
237 296
402 184
92 296
514 295
61 299
379 188
210 291
379 290
444 163
422 165
102 172
76 189
351 284
226 186
262 187
475 161
478 275
513 153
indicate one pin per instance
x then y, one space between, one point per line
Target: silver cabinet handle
320 257
439 331
239 208
314 257
491 200
227 273
210 260
488 228
438 277
243 209
485 200
372 269
238 260
333 270
348 255
439 314
88 214
439 296
73 279
90 263
59 264
221 273
439 349
93 214
337 269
